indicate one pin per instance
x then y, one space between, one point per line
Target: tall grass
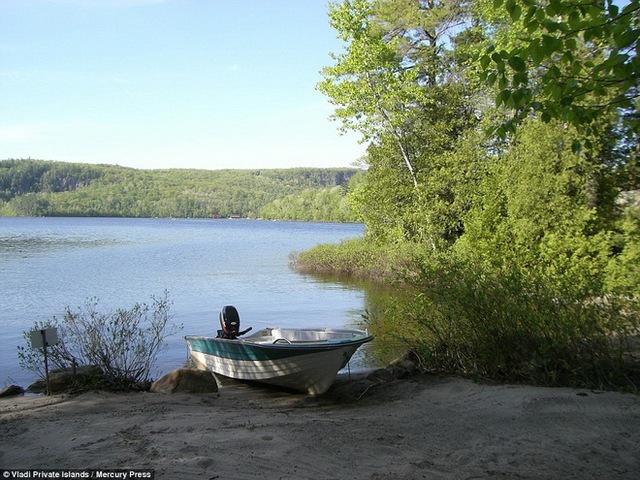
511 326
357 259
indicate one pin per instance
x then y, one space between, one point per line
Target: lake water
47 264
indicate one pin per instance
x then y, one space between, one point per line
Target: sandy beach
422 427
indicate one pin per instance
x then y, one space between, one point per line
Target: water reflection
23 246
379 301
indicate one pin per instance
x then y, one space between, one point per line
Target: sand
422 427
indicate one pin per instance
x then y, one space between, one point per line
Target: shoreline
424 426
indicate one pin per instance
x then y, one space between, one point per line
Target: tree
35 187
371 88
509 237
623 274
398 84
574 61
533 212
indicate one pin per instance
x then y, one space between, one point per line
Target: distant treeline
46 188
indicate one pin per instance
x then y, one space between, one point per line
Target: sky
207 84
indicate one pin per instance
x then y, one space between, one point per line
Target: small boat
302 359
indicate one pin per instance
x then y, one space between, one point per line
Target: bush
123 344
511 326
623 271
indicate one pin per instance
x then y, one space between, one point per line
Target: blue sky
169 83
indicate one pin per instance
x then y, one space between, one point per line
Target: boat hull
280 357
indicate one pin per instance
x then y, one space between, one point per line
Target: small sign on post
46 337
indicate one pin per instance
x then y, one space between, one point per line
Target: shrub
124 343
623 271
511 326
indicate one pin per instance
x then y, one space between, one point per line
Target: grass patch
357 259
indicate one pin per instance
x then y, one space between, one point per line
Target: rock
186 380
66 380
381 375
11 391
401 369
39 386
408 367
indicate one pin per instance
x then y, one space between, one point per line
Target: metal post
46 362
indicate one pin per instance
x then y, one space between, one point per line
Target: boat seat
291 342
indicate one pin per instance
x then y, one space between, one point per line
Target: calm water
47 264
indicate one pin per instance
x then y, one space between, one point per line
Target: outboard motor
230 323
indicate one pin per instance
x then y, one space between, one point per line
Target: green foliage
399 84
574 61
39 188
534 211
395 212
313 205
529 267
512 326
623 274
123 344
368 84
384 195
357 258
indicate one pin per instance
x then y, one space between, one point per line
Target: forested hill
46 188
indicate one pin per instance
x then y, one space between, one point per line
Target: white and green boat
304 359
